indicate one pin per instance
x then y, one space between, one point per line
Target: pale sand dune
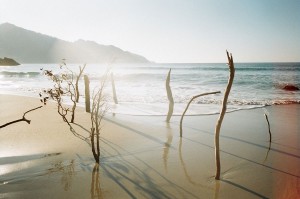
144 157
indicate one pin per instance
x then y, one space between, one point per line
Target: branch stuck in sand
77 81
114 88
222 113
23 119
187 106
87 94
170 97
266 116
99 108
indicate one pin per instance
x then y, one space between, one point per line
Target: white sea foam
141 88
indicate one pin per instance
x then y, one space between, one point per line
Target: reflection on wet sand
267 153
166 147
188 177
139 179
95 184
217 189
67 171
186 174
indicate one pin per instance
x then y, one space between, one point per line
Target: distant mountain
30 47
8 62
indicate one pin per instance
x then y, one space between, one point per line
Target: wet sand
144 157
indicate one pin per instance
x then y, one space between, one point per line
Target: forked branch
23 119
99 108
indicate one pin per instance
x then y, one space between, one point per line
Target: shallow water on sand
144 157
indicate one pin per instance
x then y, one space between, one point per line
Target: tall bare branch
170 97
98 111
222 114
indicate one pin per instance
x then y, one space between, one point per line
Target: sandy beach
144 157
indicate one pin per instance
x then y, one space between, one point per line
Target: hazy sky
170 30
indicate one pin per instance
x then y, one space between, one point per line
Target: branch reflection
95 184
67 171
167 146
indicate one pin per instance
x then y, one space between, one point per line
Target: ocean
141 87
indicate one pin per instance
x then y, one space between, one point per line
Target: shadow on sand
142 180
67 171
137 178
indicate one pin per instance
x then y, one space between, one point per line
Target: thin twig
270 139
77 81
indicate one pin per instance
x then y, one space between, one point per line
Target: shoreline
160 109
142 156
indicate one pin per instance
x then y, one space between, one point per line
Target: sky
170 31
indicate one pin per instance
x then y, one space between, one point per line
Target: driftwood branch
170 97
270 139
222 113
77 81
187 106
114 88
23 119
87 93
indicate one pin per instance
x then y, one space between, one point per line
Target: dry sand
144 157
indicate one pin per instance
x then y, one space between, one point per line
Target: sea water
141 88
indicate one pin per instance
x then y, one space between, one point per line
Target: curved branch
187 106
270 138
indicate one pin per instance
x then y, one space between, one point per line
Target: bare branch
99 109
187 106
77 81
23 119
114 89
63 86
270 138
170 97
222 114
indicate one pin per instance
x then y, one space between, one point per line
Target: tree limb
22 119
